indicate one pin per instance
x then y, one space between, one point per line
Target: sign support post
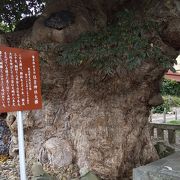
21 145
20 89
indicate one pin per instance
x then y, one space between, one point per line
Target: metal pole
21 145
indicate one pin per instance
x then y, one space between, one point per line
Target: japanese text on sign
19 80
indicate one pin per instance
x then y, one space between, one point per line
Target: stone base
167 168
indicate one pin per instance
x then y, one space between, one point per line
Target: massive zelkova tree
101 67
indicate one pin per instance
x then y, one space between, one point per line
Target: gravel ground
9 170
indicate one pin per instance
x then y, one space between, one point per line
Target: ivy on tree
123 43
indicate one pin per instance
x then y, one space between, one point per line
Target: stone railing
160 128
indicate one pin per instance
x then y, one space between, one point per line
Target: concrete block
167 168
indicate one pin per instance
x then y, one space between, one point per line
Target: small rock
75 174
71 166
89 176
14 139
59 176
37 169
64 178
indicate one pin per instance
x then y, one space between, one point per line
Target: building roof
173 76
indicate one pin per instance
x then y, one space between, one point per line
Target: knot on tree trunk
171 33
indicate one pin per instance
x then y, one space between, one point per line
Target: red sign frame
20 87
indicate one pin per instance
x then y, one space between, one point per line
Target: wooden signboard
19 80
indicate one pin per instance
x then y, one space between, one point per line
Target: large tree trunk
98 122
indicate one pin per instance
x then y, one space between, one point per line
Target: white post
176 114
151 113
21 146
164 116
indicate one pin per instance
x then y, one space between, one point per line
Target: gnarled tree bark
98 122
